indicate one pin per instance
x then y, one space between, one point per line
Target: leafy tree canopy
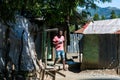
53 11
113 15
96 17
103 17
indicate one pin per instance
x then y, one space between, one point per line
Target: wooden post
46 56
53 54
43 74
54 74
53 49
65 44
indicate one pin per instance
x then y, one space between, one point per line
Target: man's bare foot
64 69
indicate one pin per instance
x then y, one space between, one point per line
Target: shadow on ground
73 66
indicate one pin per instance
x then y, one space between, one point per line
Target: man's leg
64 64
57 60
63 61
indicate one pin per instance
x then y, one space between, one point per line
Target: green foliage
113 15
72 28
118 16
79 18
103 17
53 11
96 17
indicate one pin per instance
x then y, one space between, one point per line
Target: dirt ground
101 74
74 73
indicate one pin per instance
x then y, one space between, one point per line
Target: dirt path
106 74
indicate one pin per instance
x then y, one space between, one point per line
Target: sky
114 3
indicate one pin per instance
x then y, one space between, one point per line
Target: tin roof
82 29
110 26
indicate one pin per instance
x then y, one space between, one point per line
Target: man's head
60 32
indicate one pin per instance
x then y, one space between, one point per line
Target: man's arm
55 42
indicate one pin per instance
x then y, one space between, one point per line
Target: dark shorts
60 53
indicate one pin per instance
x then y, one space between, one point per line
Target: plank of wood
61 74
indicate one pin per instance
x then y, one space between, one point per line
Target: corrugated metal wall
91 49
74 43
99 51
108 52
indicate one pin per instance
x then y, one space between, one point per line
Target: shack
101 44
24 45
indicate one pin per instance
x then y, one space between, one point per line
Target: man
58 41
